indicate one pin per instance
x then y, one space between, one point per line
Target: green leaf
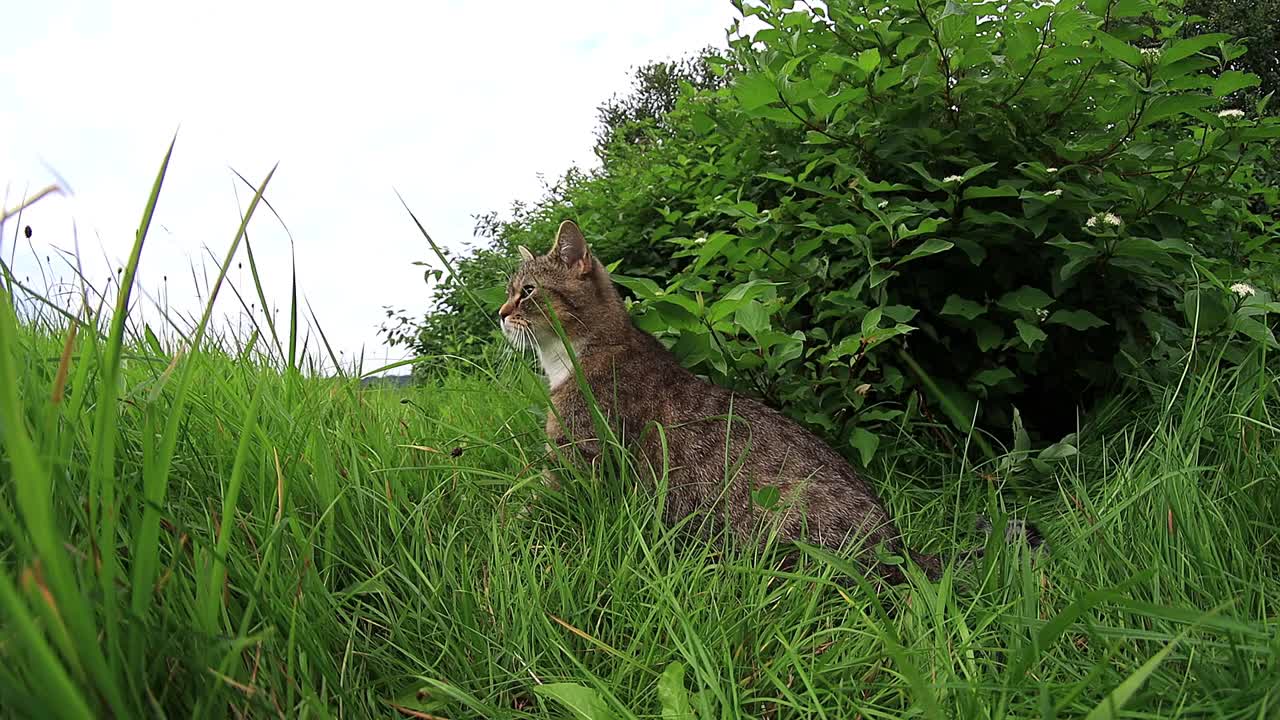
994 376
866 443
988 335
1268 132
1190 46
1029 333
755 90
644 288
1020 43
1026 299
979 192
786 349
737 297
1169 105
871 321
710 249
889 78
878 276
767 498
976 170
848 346
753 317
1256 331
492 295
974 250
678 311
152 341
1060 450
1146 249
900 313
1129 8
750 289
585 702
932 246
1204 309
1119 49
1021 440
1233 80
960 307
869 60
926 226
922 172
1077 319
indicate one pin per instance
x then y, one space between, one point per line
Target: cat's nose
507 308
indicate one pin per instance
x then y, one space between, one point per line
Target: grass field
216 533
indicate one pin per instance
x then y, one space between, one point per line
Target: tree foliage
655 88
935 209
1256 23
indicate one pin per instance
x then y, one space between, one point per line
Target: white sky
458 105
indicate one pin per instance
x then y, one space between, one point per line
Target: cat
639 386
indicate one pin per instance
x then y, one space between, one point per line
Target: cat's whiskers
528 341
506 359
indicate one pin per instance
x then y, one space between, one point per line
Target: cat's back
642 383
718 446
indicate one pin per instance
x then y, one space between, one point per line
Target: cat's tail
1015 531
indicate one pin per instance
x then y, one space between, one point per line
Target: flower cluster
1105 219
1231 114
1243 290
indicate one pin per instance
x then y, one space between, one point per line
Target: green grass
219 533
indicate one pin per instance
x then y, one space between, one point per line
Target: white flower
1231 114
700 240
952 178
1042 314
1054 193
1104 219
1243 290
1051 170
883 204
1151 53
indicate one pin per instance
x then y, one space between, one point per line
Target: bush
902 208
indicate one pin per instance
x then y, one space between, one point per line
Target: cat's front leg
549 478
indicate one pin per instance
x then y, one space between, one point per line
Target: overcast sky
458 105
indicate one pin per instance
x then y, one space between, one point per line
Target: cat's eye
526 291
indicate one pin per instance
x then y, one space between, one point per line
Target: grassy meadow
198 527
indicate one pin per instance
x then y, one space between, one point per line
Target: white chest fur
555 361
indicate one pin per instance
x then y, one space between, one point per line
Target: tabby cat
639 385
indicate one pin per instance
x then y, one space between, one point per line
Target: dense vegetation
306 548
889 219
902 209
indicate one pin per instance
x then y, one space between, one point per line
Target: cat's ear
571 247
525 254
